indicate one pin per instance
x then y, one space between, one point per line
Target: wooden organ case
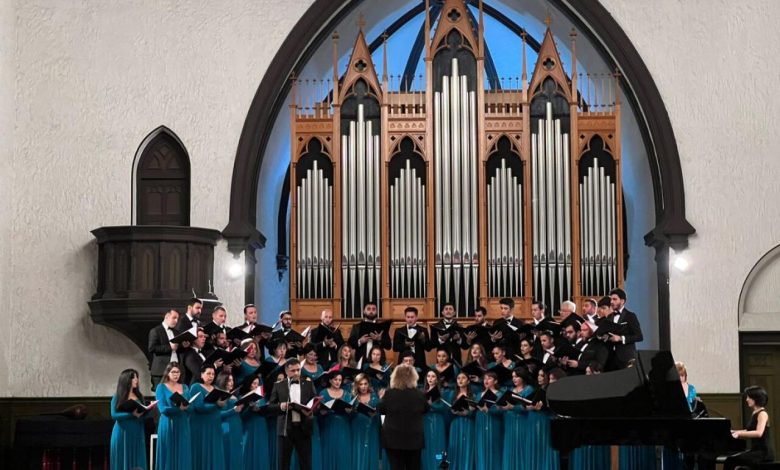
460 191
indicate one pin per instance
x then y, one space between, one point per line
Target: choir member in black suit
218 324
624 345
160 348
412 336
294 425
590 310
194 358
591 351
326 339
511 328
479 332
250 318
448 333
191 316
293 339
402 430
362 342
568 315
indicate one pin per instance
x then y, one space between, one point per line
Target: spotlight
681 263
235 269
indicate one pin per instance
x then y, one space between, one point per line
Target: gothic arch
591 18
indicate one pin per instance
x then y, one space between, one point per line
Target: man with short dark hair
592 351
479 332
447 333
589 308
160 348
294 425
286 333
194 358
412 336
624 344
191 316
365 334
511 329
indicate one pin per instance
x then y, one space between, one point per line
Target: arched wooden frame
592 18
163 163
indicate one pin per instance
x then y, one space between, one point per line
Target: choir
485 412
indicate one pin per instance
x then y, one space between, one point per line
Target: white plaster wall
7 78
729 159
91 79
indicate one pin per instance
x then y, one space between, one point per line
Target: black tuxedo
159 350
326 356
511 333
292 435
360 350
192 363
185 324
592 350
483 337
453 342
421 343
622 354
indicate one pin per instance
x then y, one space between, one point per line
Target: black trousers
404 459
296 439
746 458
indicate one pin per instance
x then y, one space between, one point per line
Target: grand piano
640 405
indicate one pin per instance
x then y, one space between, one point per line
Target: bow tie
296 381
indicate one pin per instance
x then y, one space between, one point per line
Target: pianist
757 432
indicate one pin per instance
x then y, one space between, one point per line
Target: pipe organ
459 191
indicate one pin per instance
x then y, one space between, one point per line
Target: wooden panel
761 366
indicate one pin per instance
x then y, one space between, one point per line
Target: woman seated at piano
756 432
127 438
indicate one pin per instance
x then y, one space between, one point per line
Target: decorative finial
548 20
361 22
335 36
573 33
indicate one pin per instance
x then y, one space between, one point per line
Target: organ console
453 188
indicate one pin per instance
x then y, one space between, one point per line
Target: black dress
760 447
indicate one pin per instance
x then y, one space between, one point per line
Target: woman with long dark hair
517 439
434 423
461 438
255 441
232 429
756 432
174 444
127 438
334 427
489 426
206 425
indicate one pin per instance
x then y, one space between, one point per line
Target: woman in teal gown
365 426
249 365
174 444
540 451
232 428
499 358
128 449
310 367
516 439
334 428
206 425
377 369
488 428
255 439
460 447
434 425
442 367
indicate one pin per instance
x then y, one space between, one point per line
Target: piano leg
563 459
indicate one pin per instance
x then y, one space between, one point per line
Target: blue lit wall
272 294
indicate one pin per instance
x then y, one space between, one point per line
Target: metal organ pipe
550 175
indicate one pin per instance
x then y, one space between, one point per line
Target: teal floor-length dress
255 439
128 450
365 438
174 443
335 435
541 452
460 447
232 434
435 427
488 429
206 427
515 454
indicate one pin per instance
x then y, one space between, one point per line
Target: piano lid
650 388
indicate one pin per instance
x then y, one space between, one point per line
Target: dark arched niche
592 19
